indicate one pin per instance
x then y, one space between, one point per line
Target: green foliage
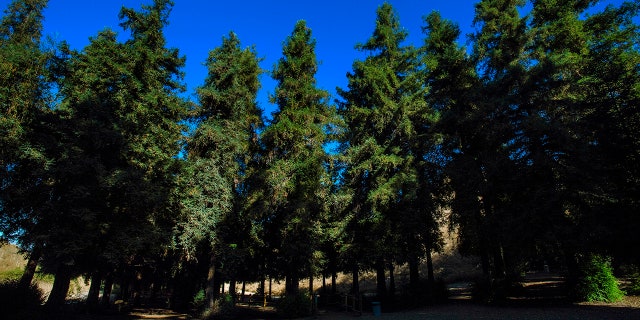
24 94
14 274
11 275
294 184
634 285
391 216
294 305
597 282
631 274
223 309
20 302
211 185
199 299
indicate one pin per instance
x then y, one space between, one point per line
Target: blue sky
197 26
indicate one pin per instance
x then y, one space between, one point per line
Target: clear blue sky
197 26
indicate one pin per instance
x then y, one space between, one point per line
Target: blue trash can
375 306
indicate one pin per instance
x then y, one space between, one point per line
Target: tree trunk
137 289
392 282
30 268
211 290
263 292
60 288
292 284
414 273
311 286
484 259
263 285
124 287
232 289
430 275
94 290
244 287
498 262
355 285
381 281
334 277
106 292
324 284
270 283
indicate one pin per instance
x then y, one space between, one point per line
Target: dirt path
468 310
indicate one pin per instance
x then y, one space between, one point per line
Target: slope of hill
11 262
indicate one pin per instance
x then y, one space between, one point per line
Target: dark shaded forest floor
540 296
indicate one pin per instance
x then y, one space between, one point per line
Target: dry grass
449 266
10 258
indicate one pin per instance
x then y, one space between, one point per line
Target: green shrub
223 309
632 275
596 281
634 286
20 300
294 305
199 299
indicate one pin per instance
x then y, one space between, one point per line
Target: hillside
10 260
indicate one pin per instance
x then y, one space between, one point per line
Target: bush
223 309
634 286
294 305
632 275
199 299
23 301
596 281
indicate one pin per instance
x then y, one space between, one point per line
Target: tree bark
94 289
60 288
311 285
292 284
430 275
484 260
124 287
355 285
30 268
106 292
137 289
392 282
414 273
381 281
499 263
270 283
232 289
324 284
244 287
211 293
334 277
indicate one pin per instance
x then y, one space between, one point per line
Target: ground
542 297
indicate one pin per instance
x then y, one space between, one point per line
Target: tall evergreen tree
295 177
120 138
583 81
384 99
24 106
219 154
482 171
613 70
